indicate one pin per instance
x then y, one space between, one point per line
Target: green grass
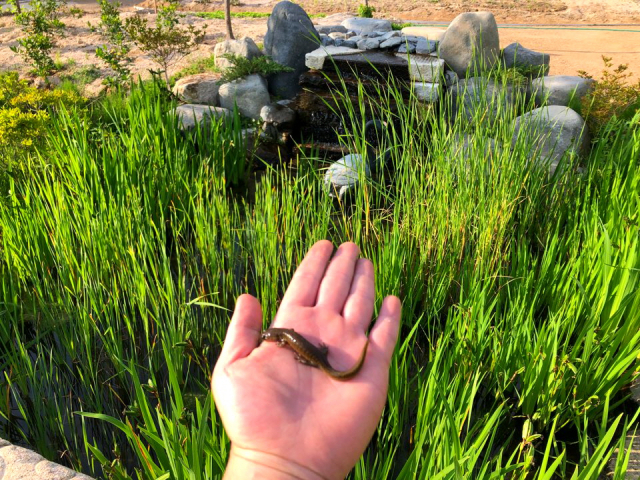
126 244
400 26
219 15
202 65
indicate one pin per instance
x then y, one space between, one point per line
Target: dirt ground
576 33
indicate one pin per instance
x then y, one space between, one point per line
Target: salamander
308 354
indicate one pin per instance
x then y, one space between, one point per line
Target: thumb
243 334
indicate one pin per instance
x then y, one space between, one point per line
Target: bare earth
571 49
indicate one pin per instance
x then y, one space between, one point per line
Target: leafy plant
116 52
365 11
202 65
400 26
242 67
75 12
611 97
168 41
41 24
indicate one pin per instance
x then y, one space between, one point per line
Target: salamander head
270 336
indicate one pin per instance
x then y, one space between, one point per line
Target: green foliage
400 26
612 97
243 67
115 54
40 24
219 15
168 41
365 11
76 12
202 65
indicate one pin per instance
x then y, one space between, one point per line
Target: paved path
17 463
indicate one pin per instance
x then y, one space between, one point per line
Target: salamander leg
304 361
281 343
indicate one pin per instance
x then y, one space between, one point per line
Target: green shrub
40 24
115 54
243 67
400 26
202 65
610 99
168 41
365 11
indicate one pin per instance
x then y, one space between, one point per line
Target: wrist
249 464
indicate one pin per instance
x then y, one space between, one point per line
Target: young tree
116 53
41 24
168 41
227 17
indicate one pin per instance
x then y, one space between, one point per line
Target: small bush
41 25
76 12
202 65
115 54
400 26
610 99
243 67
365 11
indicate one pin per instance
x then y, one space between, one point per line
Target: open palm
292 419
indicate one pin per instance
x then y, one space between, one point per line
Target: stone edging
17 463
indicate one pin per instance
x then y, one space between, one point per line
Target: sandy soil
570 49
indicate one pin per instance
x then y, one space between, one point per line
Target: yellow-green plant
611 98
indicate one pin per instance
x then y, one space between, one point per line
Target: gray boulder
560 89
245 47
515 55
471 43
343 175
277 114
367 25
478 96
201 89
190 115
392 42
249 93
368 44
555 130
290 35
407 48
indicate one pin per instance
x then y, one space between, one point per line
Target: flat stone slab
430 33
17 463
367 25
315 60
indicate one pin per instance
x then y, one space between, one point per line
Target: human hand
289 420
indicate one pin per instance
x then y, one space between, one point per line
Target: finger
243 334
359 305
384 334
303 289
336 283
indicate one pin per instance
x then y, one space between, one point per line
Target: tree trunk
18 8
227 17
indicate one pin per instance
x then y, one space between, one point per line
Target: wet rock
560 89
201 89
557 131
471 44
190 115
277 114
367 25
290 35
515 55
249 93
244 47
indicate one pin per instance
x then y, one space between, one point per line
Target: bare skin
286 420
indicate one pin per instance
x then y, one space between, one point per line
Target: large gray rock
17 463
277 114
471 43
344 174
555 130
515 55
480 97
290 35
190 115
249 93
560 89
367 25
201 88
245 47
369 43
